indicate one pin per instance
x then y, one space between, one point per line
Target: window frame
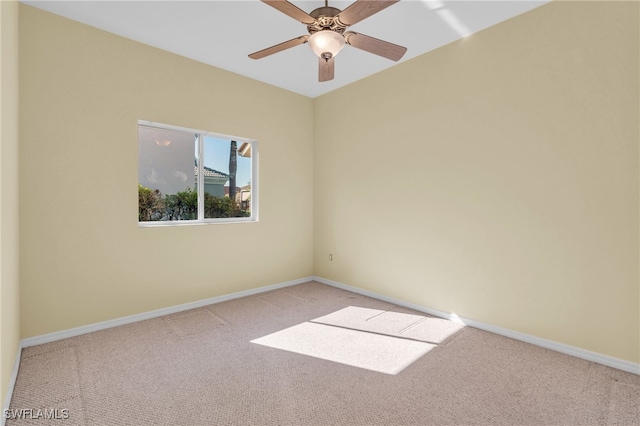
201 220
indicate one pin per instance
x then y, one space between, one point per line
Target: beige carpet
200 367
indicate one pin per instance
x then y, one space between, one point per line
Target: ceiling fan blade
375 46
279 47
325 69
362 9
291 10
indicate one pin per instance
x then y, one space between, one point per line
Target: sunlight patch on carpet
376 352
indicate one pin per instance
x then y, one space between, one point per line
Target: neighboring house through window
214 182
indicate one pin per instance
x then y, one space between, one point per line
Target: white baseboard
59 335
12 383
548 344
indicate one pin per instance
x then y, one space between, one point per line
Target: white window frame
201 219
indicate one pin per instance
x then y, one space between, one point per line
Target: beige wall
9 290
496 178
83 257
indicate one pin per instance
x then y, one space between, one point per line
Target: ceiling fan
327 35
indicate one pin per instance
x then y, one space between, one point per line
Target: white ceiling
223 33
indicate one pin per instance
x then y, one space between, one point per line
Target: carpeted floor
201 367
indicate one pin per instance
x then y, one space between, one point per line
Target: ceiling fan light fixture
326 43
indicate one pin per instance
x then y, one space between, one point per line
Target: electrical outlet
330 256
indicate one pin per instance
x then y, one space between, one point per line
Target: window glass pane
167 187
227 178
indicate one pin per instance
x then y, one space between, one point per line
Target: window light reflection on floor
382 341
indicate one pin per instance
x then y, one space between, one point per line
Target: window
171 161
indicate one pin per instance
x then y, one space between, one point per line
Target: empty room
414 212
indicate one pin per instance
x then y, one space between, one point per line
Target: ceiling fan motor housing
326 19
